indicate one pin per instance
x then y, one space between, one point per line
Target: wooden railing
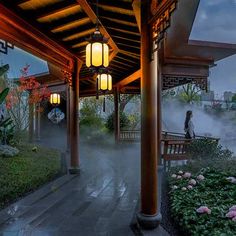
135 135
130 135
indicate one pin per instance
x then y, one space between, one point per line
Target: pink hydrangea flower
231 214
187 175
174 176
192 182
190 187
179 177
200 177
233 208
180 172
203 209
184 189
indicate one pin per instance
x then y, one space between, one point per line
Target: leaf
3 95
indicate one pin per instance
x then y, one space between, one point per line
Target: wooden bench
174 150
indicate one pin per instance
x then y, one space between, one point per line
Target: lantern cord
97 15
104 104
97 89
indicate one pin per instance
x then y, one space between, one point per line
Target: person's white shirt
191 129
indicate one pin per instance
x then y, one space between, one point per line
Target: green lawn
26 171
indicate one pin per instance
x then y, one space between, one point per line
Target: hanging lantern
104 81
55 99
97 51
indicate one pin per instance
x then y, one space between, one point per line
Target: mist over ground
221 125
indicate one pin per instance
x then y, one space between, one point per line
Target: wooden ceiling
71 22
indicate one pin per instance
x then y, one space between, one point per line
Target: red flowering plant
26 96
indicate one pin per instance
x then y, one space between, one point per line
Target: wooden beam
119 21
59 14
136 7
78 35
124 31
126 59
136 75
130 54
20 33
127 39
71 25
121 63
88 10
116 9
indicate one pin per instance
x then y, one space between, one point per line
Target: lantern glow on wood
55 99
97 51
104 82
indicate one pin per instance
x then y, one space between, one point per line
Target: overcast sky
215 21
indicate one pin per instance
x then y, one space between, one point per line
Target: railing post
116 115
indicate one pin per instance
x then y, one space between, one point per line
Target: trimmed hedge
26 171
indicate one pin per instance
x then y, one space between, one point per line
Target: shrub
185 202
124 121
208 150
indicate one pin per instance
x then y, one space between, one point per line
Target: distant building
228 96
207 96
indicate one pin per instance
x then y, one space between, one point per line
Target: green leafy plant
3 95
124 121
185 202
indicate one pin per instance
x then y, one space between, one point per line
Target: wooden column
68 92
74 120
116 115
149 216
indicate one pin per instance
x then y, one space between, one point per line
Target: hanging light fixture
97 50
104 84
55 99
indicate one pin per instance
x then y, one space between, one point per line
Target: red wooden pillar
149 216
74 120
116 115
68 92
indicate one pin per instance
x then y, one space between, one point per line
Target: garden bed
205 202
25 172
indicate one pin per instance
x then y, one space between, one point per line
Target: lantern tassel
104 104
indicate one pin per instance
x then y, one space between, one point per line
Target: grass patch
215 192
26 171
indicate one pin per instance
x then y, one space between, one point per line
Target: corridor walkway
101 201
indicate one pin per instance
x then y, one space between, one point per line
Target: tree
25 97
233 98
189 93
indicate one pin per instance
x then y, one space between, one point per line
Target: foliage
218 199
207 151
24 98
90 113
134 120
189 93
233 98
124 121
26 172
8 151
7 131
3 95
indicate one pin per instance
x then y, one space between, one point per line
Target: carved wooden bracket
161 20
67 77
4 45
171 82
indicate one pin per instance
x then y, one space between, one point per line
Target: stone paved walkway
101 201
